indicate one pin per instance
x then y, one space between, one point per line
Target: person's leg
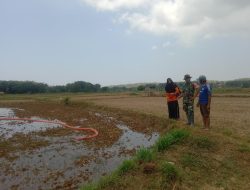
177 110
171 110
208 119
202 114
206 116
191 114
185 108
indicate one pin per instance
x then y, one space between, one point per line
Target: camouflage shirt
188 91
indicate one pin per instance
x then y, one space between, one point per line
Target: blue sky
119 42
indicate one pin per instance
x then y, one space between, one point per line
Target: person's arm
180 94
196 91
177 91
209 101
209 98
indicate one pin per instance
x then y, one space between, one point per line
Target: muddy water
66 164
10 128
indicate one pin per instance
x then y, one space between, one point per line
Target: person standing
172 93
205 96
188 93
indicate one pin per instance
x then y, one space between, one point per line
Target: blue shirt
205 92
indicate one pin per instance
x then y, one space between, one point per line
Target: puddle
65 164
10 128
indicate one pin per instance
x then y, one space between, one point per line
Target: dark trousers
173 110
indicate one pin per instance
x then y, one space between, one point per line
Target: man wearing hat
188 93
205 95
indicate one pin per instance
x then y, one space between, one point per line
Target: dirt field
228 114
51 159
125 122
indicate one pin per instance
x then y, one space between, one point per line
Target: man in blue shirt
205 96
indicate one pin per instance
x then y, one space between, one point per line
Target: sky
113 42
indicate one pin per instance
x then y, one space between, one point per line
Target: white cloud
166 44
113 5
186 20
154 48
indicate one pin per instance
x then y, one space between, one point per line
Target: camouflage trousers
189 109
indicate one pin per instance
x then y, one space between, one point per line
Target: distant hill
243 79
241 82
133 85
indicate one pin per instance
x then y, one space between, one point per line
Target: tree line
31 87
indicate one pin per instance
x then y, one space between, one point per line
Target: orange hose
95 132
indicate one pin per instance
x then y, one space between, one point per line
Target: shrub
66 101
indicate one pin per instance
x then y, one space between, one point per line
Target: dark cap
187 76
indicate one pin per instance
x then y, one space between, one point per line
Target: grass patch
66 101
112 179
170 175
104 182
108 180
126 166
144 155
204 143
169 171
244 148
170 138
227 132
191 160
89 187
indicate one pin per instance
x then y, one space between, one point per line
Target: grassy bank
183 159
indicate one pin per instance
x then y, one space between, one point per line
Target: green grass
171 138
170 171
126 166
108 180
66 101
203 143
89 187
144 155
104 182
190 160
112 179
244 148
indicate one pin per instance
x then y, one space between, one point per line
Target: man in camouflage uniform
188 93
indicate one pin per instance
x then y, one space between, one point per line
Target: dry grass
216 159
229 115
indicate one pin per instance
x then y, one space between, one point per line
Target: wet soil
49 158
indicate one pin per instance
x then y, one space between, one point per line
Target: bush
66 101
